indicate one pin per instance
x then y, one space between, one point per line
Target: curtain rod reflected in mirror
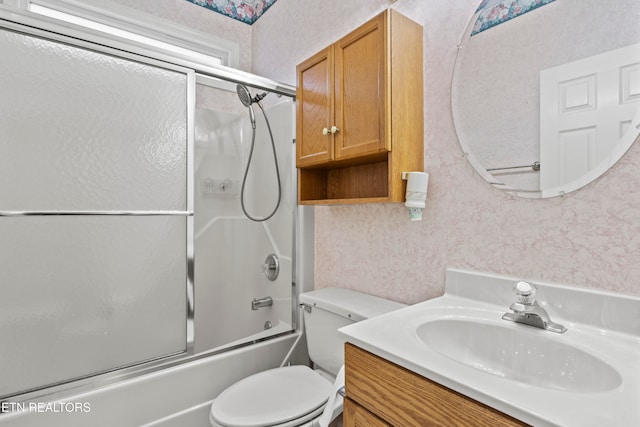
557 86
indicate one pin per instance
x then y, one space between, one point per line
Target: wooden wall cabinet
360 119
382 394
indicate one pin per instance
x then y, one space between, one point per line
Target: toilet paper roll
335 403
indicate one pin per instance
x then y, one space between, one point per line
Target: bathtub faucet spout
262 302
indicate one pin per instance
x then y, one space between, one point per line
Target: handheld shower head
245 98
244 95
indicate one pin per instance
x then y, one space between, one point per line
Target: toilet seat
283 397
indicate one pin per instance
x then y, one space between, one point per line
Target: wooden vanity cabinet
355 415
360 114
380 394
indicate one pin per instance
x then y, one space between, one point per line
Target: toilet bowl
298 396
285 397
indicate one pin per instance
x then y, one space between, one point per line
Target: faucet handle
526 292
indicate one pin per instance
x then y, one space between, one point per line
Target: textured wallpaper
590 238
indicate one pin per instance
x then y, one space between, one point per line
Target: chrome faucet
262 302
526 310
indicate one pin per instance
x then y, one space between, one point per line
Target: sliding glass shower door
95 211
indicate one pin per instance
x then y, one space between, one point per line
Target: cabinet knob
325 131
334 129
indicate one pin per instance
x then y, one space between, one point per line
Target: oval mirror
546 93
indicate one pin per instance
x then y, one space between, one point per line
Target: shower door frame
31 24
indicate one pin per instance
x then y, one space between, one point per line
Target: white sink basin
588 376
521 353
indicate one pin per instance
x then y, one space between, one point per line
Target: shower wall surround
589 238
229 248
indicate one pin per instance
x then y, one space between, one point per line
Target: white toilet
298 396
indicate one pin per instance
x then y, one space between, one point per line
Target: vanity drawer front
356 416
405 399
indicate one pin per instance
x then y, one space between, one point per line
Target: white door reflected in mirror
586 109
558 85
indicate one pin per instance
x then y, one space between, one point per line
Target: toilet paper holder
416 194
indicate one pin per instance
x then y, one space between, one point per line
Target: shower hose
246 171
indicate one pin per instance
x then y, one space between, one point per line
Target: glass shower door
94 211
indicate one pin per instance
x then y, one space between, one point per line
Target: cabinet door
356 416
314 111
404 398
361 91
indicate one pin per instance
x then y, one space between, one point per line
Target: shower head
245 98
244 95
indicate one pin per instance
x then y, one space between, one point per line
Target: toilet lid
271 397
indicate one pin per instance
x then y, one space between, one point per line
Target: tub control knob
271 267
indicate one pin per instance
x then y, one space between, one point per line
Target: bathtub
177 396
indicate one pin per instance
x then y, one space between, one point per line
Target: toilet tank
327 310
